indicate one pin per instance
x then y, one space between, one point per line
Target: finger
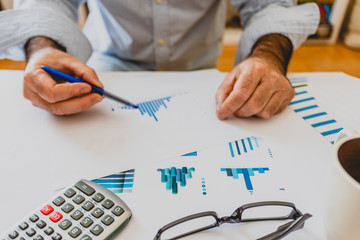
75 105
83 71
72 106
271 107
42 83
225 88
242 91
257 101
278 102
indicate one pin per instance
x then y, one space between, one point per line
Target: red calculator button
56 217
47 209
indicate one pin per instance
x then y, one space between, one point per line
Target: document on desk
177 117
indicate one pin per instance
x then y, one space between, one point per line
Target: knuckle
241 95
55 109
50 96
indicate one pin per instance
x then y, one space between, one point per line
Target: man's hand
44 92
258 85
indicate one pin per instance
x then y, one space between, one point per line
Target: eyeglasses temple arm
287 228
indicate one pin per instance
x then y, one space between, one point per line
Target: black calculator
83 211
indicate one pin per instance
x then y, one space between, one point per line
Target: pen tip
134 106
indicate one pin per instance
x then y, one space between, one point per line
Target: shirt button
159 1
161 41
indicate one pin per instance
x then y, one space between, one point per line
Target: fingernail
97 99
84 90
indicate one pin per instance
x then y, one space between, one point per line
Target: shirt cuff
18 25
296 23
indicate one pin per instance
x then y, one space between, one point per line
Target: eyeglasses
260 211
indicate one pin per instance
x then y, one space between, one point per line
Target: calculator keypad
81 212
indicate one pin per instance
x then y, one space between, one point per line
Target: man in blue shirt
132 35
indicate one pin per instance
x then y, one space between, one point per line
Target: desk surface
32 166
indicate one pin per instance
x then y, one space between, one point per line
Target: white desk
40 152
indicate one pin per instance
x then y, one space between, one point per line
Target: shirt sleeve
52 19
261 17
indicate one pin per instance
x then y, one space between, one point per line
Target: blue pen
98 90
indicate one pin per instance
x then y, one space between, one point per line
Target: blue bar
163 103
141 108
235 173
121 175
231 150
331 132
302 92
314 115
113 180
243 143
256 141
306 108
228 171
149 107
117 185
247 181
237 147
191 154
250 171
155 109
302 100
174 185
323 123
251 147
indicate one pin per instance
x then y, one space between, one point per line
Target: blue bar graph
149 108
122 182
243 146
173 176
305 105
247 173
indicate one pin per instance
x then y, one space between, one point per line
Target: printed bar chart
121 182
247 173
149 108
307 107
243 146
172 177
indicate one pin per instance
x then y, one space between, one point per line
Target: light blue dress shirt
151 34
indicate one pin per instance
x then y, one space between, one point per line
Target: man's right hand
58 98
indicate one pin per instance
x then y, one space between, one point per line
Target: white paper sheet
40 152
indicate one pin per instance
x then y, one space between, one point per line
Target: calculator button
31 232
86 222
56 217
97 212
41 224
85 188
108 204
96 230
34 218
85 237
117 210
23 225
69 193
78 199
49 230
98 197
107 220
77 215
75 232
88 205
56 237
58 201
65 224
38 237
13 234
47 209
21 238
67 207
